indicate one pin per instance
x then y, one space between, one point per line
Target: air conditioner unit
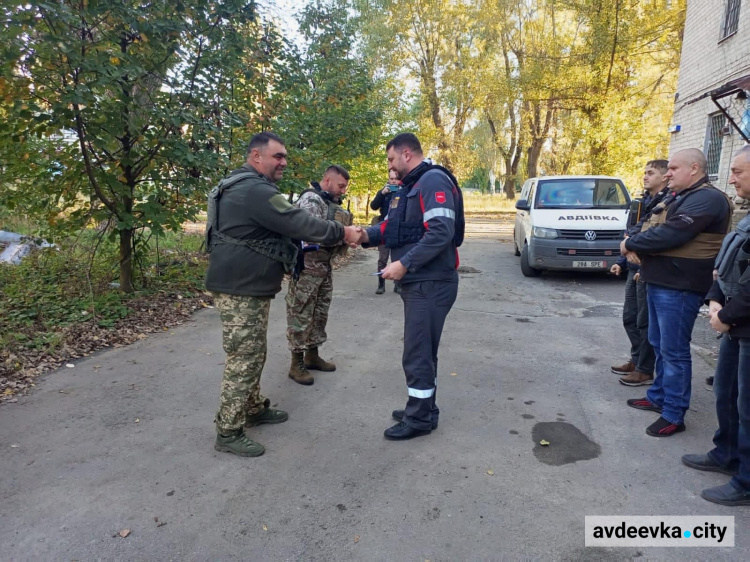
725 131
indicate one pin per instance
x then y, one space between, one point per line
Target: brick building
712 105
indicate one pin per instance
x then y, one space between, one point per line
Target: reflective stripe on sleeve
418 393
439 212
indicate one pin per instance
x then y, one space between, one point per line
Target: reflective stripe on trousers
426 306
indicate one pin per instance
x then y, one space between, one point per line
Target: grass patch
54 288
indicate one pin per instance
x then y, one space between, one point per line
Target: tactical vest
400 232
704 246
279 248
335 211
733 258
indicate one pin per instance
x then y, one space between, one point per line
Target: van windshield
581 194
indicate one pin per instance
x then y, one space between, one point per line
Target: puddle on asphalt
467 269
602 311
566 444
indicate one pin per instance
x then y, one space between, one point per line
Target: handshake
355 235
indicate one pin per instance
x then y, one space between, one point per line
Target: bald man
676 246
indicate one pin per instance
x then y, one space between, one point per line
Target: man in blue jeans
676 246
729 311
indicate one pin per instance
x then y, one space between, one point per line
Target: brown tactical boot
297 372
315 362
624 369
636 378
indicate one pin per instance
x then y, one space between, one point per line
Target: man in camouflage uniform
249 236
309 296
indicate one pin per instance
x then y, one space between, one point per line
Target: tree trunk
126 260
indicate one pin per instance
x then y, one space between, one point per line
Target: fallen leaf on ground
544 442
124 533
265 527
356 538
454 374
137 420
491 472
69 365
15 446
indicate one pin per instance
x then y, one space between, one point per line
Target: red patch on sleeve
440 197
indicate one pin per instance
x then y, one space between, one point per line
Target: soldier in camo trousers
309 297
248 235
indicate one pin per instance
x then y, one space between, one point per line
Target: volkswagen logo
590 235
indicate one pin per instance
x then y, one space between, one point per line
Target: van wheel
526 268
516 251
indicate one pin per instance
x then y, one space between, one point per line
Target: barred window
731 18
716 123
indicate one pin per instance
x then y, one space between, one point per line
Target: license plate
600 264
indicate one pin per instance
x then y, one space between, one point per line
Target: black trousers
426 306
635 321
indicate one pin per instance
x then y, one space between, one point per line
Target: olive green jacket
253 209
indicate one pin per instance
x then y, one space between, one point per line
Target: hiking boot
706 463
643 404
268 415
238 444
298 372
398 415
315 362
624 369
381 286
396 287
664 428
636 378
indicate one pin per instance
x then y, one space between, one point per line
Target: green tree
119 112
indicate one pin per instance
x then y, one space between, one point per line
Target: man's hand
386 190
632 257
637 277
623 250
714 308
615 270
718 325
354 236
394 270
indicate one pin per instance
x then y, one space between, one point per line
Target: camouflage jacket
318 263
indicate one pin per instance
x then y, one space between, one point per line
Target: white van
570 223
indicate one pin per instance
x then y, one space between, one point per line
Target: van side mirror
522 205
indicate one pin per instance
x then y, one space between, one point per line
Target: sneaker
636 378
398 415
238 444
664 428
624 369
269 415
643 404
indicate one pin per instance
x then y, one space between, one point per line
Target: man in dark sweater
251 249
639 369
676 246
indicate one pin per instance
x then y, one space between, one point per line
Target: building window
731 18
716 123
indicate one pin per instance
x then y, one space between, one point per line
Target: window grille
731 18
714 139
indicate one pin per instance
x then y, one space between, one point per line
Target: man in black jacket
729 312
677 245
381 202
251 249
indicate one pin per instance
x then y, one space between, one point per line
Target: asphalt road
125 439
